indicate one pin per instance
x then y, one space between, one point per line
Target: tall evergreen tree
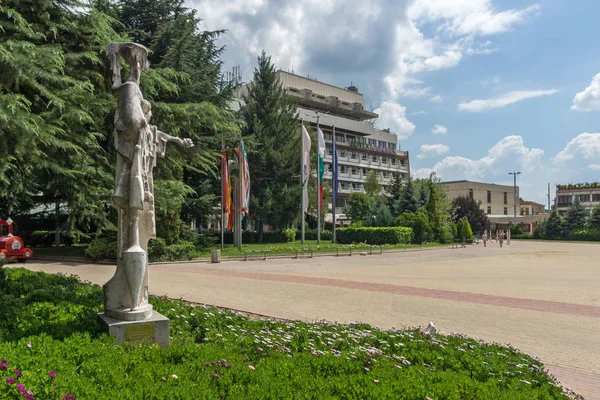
595 218
54 106
553 226
407 203
575 219
439 210
395 190
273 134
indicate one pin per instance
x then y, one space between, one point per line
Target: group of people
484 238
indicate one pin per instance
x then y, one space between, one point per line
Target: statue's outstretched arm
182 142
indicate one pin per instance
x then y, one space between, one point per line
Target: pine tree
553 226
575 219
273 135
595 218
395 191
407 203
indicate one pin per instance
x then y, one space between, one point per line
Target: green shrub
289 234
591 235
524 236
516 230
43 238
466 232
374 235
157 249
101 249
311 234
418 222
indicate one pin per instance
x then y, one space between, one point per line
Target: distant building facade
498 201
587 194
361 147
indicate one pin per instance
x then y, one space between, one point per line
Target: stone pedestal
154 330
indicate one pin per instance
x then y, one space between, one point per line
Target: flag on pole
245 184
305 166
321 150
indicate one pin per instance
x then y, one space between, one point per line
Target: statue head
134 54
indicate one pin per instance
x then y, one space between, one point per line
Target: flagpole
302 180
223 164
318 188
334 183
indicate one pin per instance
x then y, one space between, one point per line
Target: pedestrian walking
501 238
484 239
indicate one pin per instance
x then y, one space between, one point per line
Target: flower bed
49 333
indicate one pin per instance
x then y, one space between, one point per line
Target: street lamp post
514 174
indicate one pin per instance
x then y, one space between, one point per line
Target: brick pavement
542 298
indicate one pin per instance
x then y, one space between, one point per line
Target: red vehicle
12 246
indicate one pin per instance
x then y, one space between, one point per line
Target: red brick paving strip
501 301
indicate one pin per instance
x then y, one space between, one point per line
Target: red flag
226 195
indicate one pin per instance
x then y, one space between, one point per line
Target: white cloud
439 130
502 101
384 36
420 173
432 150
508 153
595 167
491 82
589 99
582 149
416 92
393 116
468 17
436 99
418 113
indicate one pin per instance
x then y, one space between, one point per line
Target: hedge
375 235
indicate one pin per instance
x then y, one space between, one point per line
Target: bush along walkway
51 347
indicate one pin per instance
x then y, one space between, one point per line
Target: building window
470 193
364 171
328 136
339 138
363 156
489 210
489 197
342 169
329 167
385 174
596 197
505 198
373 142
392 146
353 155
351 139
401 162
505 211
565 199
374 158
330 151
382 144
354 186
584 198
353 171
342 153
393 161
384 160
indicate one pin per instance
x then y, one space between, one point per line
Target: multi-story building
498 202
361 147
495 199
588 195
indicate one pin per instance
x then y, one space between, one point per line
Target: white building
361 147
588 195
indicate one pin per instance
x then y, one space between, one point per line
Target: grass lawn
51 345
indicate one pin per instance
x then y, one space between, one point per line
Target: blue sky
507 85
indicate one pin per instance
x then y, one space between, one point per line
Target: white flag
305 166
321 140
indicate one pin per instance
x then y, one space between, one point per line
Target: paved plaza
543 298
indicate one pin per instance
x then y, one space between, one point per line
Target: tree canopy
465 206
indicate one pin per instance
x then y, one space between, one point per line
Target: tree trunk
57 223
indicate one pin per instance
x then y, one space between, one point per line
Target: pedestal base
154 330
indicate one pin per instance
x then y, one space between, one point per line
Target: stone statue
138 144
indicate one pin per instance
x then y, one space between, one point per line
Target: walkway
543 298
